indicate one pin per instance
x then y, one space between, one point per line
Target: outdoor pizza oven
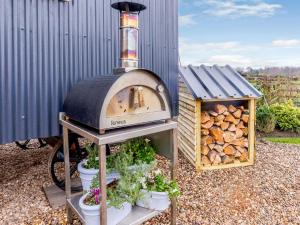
128 97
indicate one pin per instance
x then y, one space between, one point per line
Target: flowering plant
156 181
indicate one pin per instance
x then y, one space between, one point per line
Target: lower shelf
137 216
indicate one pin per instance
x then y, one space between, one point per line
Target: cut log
212 155
228 136
208 124
224 125
205 160
216 133
232 127
220 108
240 125
227 159
226 113
237 154
242 108
218 124
245 118
244 156
204 117
232 108
229 150
211 146
243 142
219 118
239 133
236 121
245 131
246 143
229 118
207 140
218 148
237 114
241 149
220 142
213 113
217 160
204 149
204 132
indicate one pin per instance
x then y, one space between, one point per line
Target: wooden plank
185 129
226 166
251 127
188 112
187 96
187 152
187 155
198 134
191 150
186 123
189 142
185 99
187 106
187 116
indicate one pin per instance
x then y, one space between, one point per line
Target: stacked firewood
224 133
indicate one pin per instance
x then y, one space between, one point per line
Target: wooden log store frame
138 214
199 89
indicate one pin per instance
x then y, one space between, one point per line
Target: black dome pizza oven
128 97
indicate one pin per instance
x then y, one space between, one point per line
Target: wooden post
198 134
102 182
174 173
251 127
67 173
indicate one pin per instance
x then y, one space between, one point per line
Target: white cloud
236 9
286 43
187 20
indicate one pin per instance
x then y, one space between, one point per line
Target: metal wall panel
46 46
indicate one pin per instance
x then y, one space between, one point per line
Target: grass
285 140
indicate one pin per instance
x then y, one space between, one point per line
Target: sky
241 33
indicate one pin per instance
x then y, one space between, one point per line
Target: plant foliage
92 161
287 116
265 119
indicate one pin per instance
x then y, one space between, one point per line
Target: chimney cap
131 6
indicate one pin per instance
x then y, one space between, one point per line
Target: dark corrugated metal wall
46 46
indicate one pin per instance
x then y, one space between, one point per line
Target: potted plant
89 168
118 206
157 191
121 194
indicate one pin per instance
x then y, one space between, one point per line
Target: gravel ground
266 193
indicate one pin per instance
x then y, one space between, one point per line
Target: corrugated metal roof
217 82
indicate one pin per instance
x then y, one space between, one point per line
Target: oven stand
138 214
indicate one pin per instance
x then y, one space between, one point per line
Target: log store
216 117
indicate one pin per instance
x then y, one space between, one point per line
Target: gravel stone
266 193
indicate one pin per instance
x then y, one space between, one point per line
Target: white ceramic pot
114 215
154 200
87 175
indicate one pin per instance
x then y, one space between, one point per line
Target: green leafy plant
287 116
141 149
156 181
92 161
265 119
127 187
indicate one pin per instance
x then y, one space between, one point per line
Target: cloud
236 9
286 43
187 20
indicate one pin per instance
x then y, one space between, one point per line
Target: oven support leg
173 136
67 173
102 182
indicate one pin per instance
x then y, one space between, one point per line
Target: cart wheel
57 167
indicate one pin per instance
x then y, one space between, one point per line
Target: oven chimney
129 34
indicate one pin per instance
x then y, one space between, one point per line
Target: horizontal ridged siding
46 46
